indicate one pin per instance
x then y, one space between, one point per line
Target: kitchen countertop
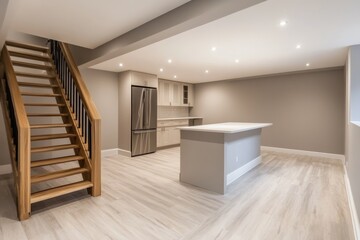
228 127
178 118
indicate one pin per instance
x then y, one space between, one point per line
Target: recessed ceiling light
206 71
161 70
213 49
237 60
298 46
307 64
283 23
120 64
169 61
175 76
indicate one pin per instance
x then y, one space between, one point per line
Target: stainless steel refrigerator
143 120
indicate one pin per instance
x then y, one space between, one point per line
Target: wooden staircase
53 128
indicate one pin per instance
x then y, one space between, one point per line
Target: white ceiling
86 23
324 28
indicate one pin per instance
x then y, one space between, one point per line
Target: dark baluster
90 136
83 120
85 127
12 120
72 93
78 107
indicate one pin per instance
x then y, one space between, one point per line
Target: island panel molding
215 155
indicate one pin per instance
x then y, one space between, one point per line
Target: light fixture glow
206 71
283 23
307 64
121 65
237 60
175 76
169 61
213 49
161 70
298 46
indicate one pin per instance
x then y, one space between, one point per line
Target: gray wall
307 109
352 130
103 87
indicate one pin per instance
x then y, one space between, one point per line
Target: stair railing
18 133
83 108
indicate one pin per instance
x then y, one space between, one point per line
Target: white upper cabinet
172 94
143 79
187 95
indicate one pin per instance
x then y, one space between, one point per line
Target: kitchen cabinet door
191 95
169 93
175 96
187 95
164 93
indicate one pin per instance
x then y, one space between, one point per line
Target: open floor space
287 196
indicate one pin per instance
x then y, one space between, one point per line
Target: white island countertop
228 127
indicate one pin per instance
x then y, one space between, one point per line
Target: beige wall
307 109
124 99
103 87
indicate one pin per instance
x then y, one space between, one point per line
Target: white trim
5 169
109 152
353 212
231 177
307 153
124 153
115 152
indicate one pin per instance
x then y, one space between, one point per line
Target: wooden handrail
94 117
84 92
24 146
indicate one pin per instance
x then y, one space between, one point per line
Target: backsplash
169 112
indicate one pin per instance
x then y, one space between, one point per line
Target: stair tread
48 115
40 94
34 75
27 46
57 174
52 136
52 125
29 84
44 58
45 104
54 148
51 161
31 65
58 191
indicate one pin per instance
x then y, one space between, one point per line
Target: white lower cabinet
167 132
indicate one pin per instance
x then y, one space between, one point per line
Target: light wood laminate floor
286 197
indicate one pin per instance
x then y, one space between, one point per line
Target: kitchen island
213 156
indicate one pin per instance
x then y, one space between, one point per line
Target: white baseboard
231 177
109 152
124 153
306 153
353 212
5 169
114 152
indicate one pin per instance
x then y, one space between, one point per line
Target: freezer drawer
143 141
